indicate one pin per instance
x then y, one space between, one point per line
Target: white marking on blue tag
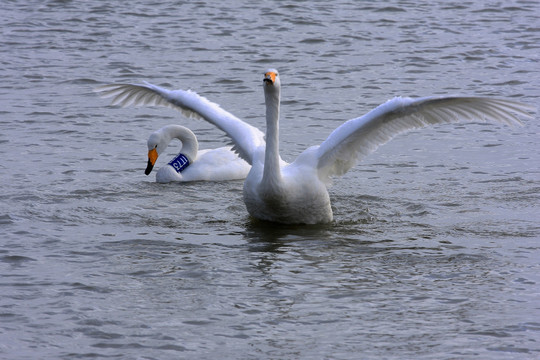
179 163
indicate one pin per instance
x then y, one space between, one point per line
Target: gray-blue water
434 252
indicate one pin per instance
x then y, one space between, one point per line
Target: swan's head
155 147
271 79
160 139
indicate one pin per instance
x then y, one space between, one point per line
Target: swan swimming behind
192 164
297 193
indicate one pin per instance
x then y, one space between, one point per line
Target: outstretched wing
245 138
357 138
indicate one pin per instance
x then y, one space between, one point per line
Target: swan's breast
300 197
167 174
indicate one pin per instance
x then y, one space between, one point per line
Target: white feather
357 138
245 137
218 164
297 192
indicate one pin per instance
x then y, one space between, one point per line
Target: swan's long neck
190 145
272 172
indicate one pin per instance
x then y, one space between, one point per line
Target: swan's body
297 193
193 164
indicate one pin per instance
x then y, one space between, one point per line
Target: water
434 250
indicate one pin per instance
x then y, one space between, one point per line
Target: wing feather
245 138
357 138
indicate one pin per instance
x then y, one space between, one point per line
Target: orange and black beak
269 78
152 157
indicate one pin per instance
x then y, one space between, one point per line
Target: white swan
297 193
193 164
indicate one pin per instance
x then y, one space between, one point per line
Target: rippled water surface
434 251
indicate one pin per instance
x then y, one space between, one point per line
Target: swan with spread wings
296 193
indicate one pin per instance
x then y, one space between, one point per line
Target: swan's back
219 164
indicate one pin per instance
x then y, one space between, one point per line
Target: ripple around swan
434 249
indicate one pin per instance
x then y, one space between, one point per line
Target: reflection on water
434 249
